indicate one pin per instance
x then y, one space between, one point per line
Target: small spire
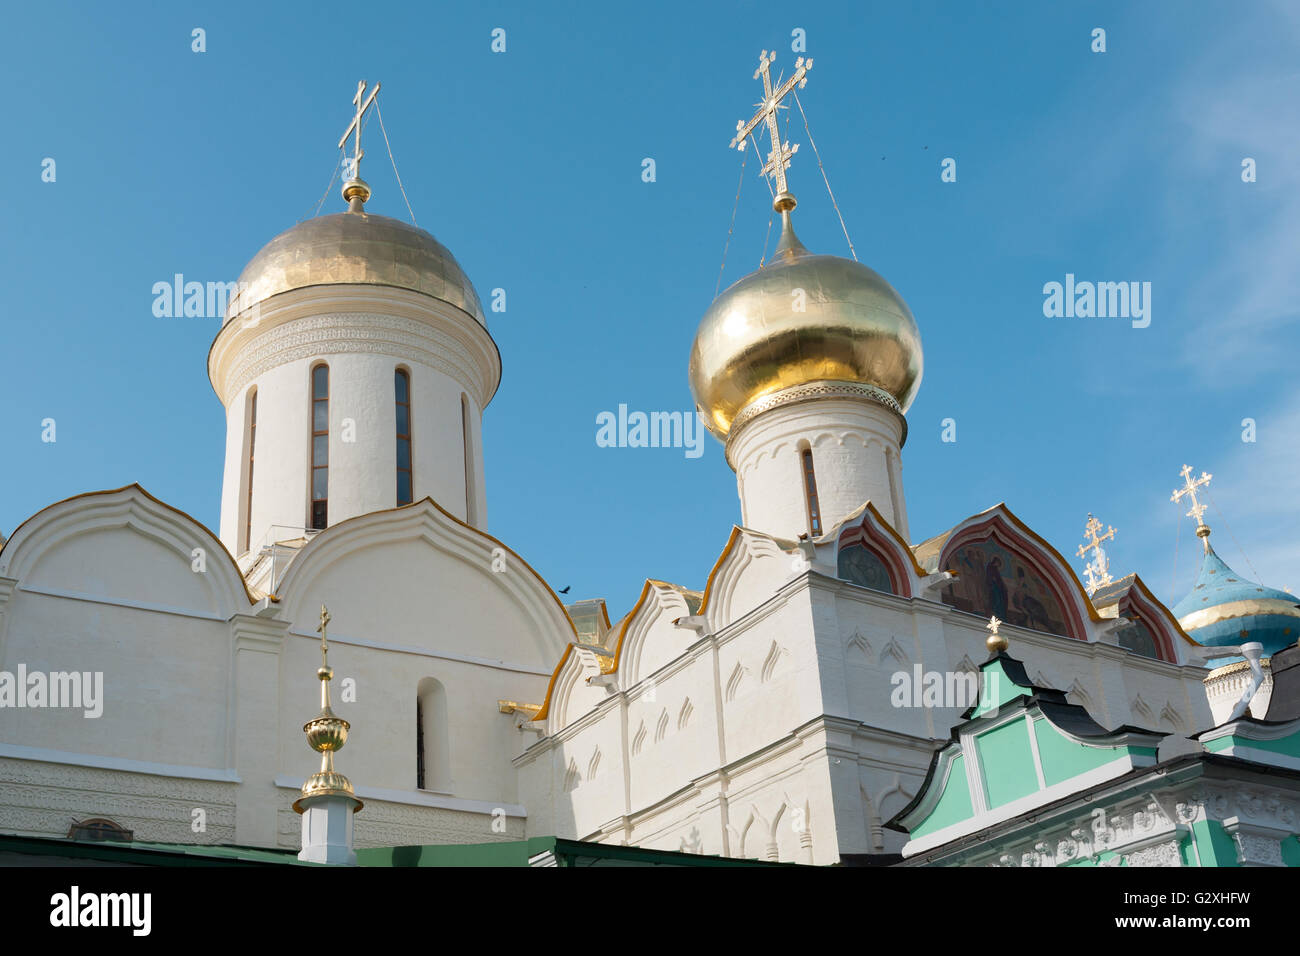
788 246
355 189
1198 510
326 733
996 643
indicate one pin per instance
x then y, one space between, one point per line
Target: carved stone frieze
357 332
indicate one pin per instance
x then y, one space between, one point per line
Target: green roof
544 851
139 853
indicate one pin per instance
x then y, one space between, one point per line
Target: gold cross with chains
778 160
1190 485
1189 489
1098 569
355 126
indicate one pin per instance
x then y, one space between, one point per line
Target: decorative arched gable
127 545
649 637
870 553
751 568
1154 631
571 694
1006 570
449 586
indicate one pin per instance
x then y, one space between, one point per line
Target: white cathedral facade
755 714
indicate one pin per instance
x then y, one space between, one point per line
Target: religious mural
1137 637
994 581
862 566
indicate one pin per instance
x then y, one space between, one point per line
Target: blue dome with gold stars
1225 609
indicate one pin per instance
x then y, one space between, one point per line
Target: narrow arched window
252 441
419 743
810 493
467 444
320 446
432 737
405 480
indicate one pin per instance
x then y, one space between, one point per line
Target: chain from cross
1189 490
354 164
1098 569
778 160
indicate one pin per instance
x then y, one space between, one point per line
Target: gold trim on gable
158 501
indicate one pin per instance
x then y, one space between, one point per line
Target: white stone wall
1224 687
855 446
363 334
795 750
206 691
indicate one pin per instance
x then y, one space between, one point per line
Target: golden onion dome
355 247
755 341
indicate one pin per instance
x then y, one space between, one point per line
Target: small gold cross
1189 488
1197 510
324 642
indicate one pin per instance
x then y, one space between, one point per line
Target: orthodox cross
1098 569
778 160
355 125
1189 490
324 641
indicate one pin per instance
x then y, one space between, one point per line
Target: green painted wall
1063 758
1289 746
1291 851
954 805
1213 843
996 688
1007 763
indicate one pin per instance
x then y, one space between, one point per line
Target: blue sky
1122 166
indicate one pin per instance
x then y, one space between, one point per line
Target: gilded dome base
813 391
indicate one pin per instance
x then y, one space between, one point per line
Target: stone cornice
258 634
7 586
342 319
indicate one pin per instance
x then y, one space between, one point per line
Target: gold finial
778 160
326 733
1098 569
355 189
995 642
1189 489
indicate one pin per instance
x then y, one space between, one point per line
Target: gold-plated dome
754 341
355 247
